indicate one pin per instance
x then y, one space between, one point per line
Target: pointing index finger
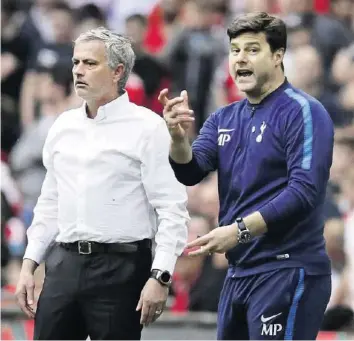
163 97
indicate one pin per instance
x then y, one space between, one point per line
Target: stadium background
180 44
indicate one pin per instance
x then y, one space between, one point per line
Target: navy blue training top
273 157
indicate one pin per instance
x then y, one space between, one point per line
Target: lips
80 83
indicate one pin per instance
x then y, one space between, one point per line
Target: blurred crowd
179 44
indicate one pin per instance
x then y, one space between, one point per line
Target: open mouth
244 73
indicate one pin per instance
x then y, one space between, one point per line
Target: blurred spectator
119 10
135 89
205 293
87 17
343 158
309 77
15 50
328 34
343 66
153 74
198 280
268 6
45 56
209 198
344 295
343 10
163 24
224 89
193 55
38 25
54 91
12 229
103 5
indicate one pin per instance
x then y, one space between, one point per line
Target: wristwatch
163 277
244 234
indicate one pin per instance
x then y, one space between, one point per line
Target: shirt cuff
164 261
270 215
35 253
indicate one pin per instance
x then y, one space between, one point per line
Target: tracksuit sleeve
308 142
204 155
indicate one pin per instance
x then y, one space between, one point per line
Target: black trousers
92 295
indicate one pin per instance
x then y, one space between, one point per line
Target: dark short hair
62 75
61 6
137 17
274 28
89 11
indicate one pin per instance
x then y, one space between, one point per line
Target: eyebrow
84 60
247 44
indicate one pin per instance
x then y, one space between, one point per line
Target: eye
253 50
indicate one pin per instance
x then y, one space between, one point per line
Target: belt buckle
84 248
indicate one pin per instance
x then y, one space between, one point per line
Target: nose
241 57
78 69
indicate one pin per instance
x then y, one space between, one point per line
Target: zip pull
252 111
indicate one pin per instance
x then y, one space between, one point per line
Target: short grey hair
118 50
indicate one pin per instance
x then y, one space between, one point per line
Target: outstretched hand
218 240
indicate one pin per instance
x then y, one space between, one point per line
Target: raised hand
177 114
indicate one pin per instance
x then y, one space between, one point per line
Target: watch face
245 237
165 277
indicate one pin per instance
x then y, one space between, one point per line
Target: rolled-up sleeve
44 227
168 197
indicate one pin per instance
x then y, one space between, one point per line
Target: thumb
140 303
30 294
184 95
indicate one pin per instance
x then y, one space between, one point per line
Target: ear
118 73
279 56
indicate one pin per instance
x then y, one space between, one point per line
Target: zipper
249 128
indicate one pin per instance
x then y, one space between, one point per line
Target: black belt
87 247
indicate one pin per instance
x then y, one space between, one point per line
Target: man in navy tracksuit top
273 153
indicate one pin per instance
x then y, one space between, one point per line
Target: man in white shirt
109 191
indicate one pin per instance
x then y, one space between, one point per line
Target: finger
173 122
29 312
151 315
144 313
22 301
203 250
163 97
172 102
199 241
184 95
182 112
30 294
159 309
140 304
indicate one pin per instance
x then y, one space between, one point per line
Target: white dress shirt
109 180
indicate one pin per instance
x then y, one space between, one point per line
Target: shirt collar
109 109
271 96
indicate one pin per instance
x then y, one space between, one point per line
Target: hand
218 240
177 114
152 301
25 293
